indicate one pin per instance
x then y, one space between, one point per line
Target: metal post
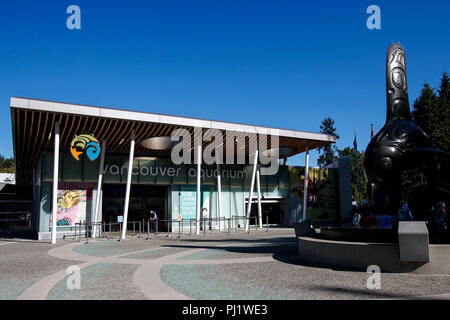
148 229
229 226
156 231
190 227
134 228
219 196
267 223
305 193
127 192
198 199
55 182
99 186
258 188
179 229
252 184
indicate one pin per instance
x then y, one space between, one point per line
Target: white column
258 188
198 202
252 184
305 193
127 192
55 182
219 197
99 188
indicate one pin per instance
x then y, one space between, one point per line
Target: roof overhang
33 123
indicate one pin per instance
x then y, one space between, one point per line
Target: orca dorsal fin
396 86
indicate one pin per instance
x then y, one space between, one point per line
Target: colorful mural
322 193
85 143
71 207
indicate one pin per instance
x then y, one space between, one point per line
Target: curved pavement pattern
195 268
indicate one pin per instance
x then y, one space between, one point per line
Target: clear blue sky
285 64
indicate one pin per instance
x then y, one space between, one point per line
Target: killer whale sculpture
401 146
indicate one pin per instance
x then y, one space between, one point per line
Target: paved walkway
260 265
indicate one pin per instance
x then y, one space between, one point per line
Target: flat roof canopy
33 123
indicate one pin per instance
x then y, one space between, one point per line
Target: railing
172 226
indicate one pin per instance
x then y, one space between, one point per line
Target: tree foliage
327 153
6 165
354 162
431 112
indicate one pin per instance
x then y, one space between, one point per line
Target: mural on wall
322 193
85 144
71 207
73 200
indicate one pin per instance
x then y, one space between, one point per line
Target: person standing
154 218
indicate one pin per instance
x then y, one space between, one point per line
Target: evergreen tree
328 153
431 112
348 151
424 112
6 165
443 113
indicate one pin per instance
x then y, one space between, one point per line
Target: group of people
364 217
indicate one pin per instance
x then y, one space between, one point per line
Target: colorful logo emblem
85 143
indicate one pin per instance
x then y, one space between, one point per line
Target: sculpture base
359 248
360 255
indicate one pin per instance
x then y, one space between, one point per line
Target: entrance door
272 211
142 199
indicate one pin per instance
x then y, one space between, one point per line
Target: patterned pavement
259 265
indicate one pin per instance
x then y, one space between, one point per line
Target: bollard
179 229
109 230
267 223
204 229
190 227
229 226
148 229
156 231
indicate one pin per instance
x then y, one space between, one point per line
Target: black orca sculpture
402 146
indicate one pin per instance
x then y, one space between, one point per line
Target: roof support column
55 182
252 184
305 192
219 197
127 192
258 188
198 194
99 188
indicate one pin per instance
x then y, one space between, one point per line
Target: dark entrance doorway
142 199
272 211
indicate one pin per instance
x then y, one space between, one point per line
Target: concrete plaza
256 265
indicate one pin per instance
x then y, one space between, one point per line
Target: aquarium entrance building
47 135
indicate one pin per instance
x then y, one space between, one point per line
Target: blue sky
284 64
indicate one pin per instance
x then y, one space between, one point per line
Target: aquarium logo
85 143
